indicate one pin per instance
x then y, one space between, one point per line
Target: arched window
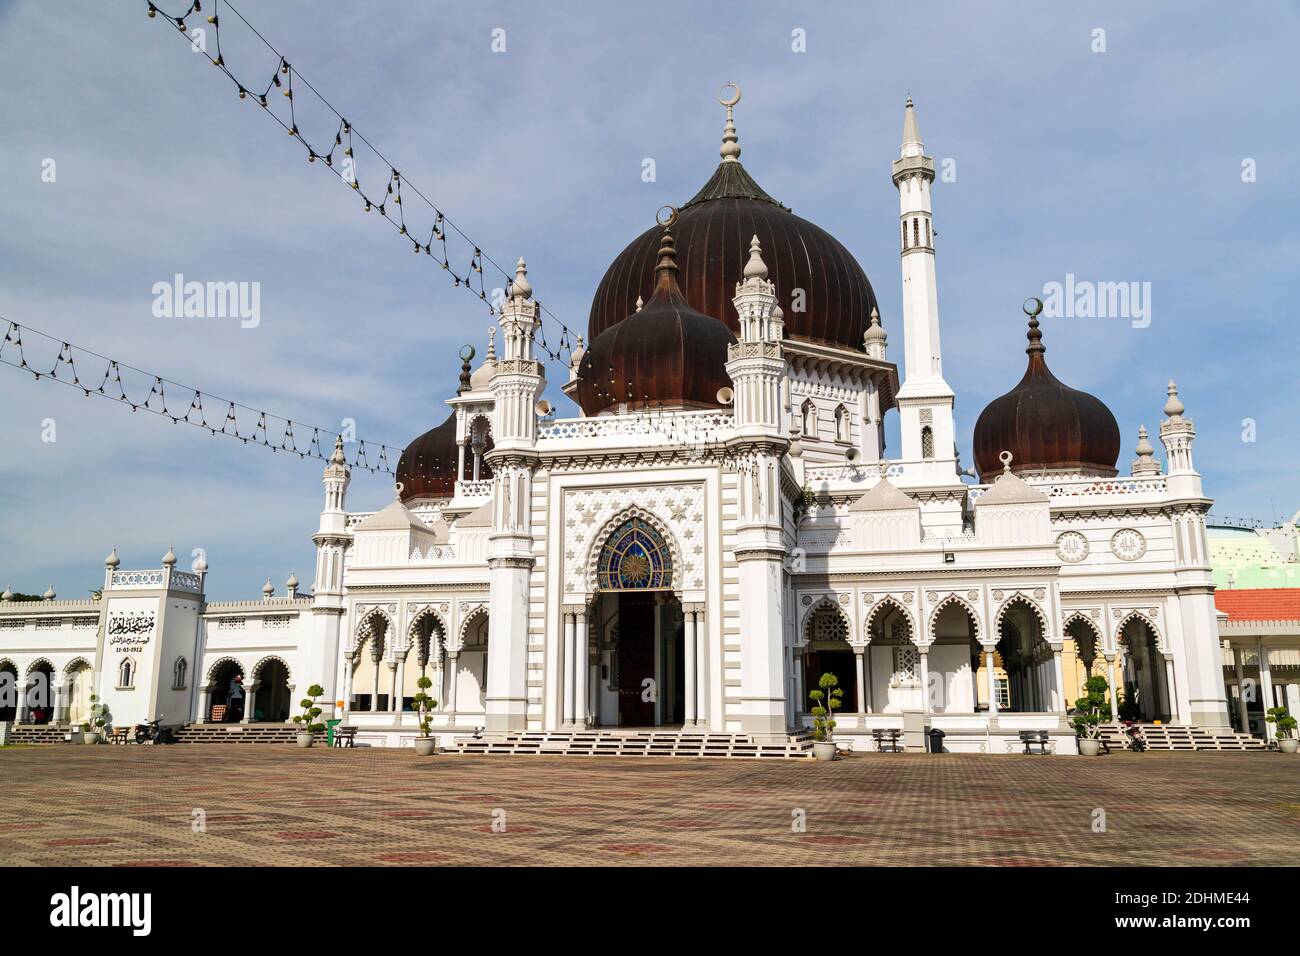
927 442
916 232
904 233
842 424
809 413
178 673
928 240
126 673
634 558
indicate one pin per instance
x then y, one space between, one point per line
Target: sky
1113 142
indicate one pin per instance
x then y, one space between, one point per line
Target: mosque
718 528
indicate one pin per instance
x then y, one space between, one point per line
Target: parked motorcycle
1134 738
151 732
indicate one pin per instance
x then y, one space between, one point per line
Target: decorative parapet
677 426
1063 490
472 489
123 580
868 472
185 581
258 607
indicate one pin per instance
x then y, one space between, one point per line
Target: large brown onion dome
713 232
427 468
665 354
1046 425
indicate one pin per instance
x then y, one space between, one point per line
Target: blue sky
1123 165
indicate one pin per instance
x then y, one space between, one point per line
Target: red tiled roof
1259 604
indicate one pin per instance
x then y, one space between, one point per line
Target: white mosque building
716 529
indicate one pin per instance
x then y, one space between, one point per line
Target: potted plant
308 728
1089 713
1286 741
426 743
93 728
827 699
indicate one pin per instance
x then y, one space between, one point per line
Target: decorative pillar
451 686
689 669
866 654
250 700
1265 680
925 678
349 665
374 688
1170 690
859 653
580 655
400 684
1059 704
566 670
57 715
800 696
701 669
1114 687
1242 710
205 698
992 681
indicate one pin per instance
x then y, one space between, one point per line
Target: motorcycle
151 733
1135 740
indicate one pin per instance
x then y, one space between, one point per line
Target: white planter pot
425 746
1089 747
824 750
306 738
1288 745
90 737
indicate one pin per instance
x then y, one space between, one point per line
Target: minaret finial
521 288
1032 308
492 345
730 150
755 268
338 458
911 133
1174 407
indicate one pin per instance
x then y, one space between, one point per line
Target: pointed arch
825 602
473 617
220 662
843 424
438 635
1136 615
72 665
895 604
613 525
269 658
37 663
808 418
961 602
365 629
1020 597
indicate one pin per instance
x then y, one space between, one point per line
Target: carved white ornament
678 510
1128 544
1072 547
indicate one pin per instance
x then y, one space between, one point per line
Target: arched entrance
1027 659
9 691
39 693
425 658
639 633
1082 658
1142 673
368 691
77 691
226 703
470 671
271 699
827 651
893 662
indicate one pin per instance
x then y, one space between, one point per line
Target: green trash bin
329 730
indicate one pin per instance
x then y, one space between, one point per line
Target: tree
1092 709
827 699
424 705
307 719
1286 724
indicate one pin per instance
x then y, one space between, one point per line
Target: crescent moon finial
733 100
669 220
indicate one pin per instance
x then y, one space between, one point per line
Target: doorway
642 671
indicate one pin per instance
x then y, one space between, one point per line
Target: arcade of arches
230 696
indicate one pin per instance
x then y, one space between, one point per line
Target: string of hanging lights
230 418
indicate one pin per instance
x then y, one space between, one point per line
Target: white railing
869 471
1056 488
137 579
683 426
474 489
185 581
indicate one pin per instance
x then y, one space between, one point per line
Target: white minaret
925 400
332 539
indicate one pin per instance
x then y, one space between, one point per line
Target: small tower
518 377
1177 434
1145 463
874 340
925 401
332 539
756 364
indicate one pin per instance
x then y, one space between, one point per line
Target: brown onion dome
427 468
713 232
664 354
1046 425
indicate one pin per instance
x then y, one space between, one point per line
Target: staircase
37 733
239 734
1183 737
635 743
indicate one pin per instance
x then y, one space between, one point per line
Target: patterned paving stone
266 804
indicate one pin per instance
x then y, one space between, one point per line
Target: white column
347 686
205 696
992 680
1239 666
250 700
1265 680
1059 705
451 685
374 688
1114 688
859 653
566 671
400 684
871 703
1171 692
691 695
800 694
925 679
56 703
701 669
580 665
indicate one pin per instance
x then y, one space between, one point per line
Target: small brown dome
1046 425
427 468
713 232
664 354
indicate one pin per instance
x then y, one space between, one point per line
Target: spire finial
1005 457
666 268
1032 308
112 561
639 303
1144 447
730 150
911 133
492 345
338 458
755 268
466 354
1174 406
521 288
169 559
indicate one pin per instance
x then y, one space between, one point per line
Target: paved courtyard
262 804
